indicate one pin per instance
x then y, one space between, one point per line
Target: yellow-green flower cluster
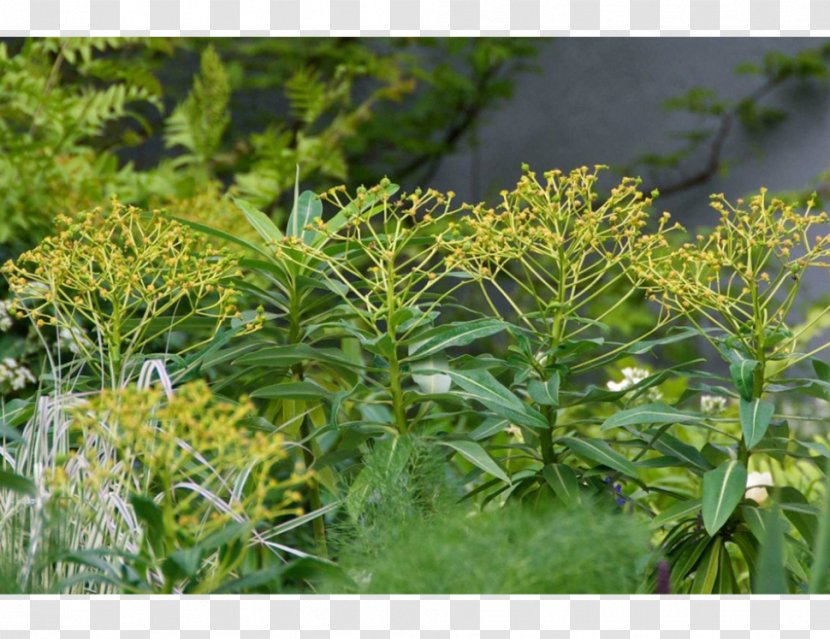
555 239
191 453
745 274
388 254
118 270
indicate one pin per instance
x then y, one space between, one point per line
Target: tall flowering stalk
389 269
554 243
132 278
738 286
744 277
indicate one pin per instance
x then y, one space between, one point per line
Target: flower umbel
131 277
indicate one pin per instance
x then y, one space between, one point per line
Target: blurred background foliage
177 123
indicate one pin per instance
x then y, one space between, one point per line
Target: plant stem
546 436
397 391
315 502
821 557
395 386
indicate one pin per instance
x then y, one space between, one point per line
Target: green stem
114 346
315 501
397 391
395 382
546 436
821 557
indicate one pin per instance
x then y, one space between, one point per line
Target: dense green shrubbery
508 551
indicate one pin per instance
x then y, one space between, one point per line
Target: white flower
712 404
14 376
5 316
73 339
515 431
431 383
756 484
631 377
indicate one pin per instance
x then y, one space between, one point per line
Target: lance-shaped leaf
293 390
743 376
481 386
562 480
545 393
440 338
598 451
285 356
676 511
17 483
673 447
706 573
723 489
306 208
770 577
477 456
261 223
657 413
755 419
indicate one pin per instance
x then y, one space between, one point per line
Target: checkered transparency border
315 617
414 17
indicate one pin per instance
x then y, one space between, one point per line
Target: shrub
507 551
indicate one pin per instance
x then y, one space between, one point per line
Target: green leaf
487 390
598 451
262 224
743 376
657 413
440 338
250 580
149 513
755 419
822 369
477 456
676 511
545 393
821 552
289 355
683 333
304 391
725 584
673 447
562 480
489 427
707 569
771 575
222 235
756 521
307 207
723 489
183 563
14 413
17 483
799 512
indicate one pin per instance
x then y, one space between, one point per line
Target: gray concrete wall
599 101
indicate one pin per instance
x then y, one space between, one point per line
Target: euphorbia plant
738 286
393 281
553 242
130 278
